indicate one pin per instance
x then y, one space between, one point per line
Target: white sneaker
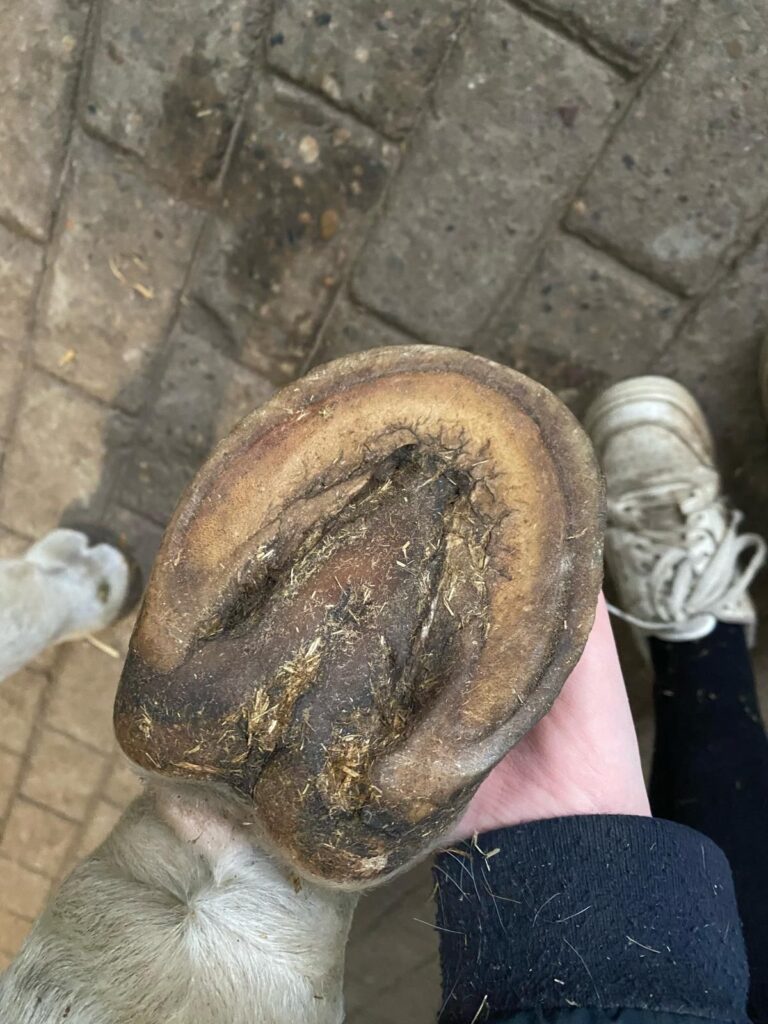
671 544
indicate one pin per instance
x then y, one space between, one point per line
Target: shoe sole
615 408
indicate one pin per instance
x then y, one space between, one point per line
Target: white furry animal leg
180 917
59 589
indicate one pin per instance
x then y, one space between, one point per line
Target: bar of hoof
372 589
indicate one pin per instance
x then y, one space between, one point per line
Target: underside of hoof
373 588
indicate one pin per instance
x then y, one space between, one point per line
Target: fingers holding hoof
373 588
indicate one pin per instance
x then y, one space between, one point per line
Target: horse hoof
372 589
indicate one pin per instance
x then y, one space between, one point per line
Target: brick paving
201 200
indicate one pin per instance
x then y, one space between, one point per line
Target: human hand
581 758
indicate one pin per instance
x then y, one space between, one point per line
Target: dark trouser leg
710 770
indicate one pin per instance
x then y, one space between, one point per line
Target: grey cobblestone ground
200 200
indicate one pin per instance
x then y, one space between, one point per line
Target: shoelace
695 573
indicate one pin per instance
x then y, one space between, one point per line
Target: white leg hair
181 917
61 588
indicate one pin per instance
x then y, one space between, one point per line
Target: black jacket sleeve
589 918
